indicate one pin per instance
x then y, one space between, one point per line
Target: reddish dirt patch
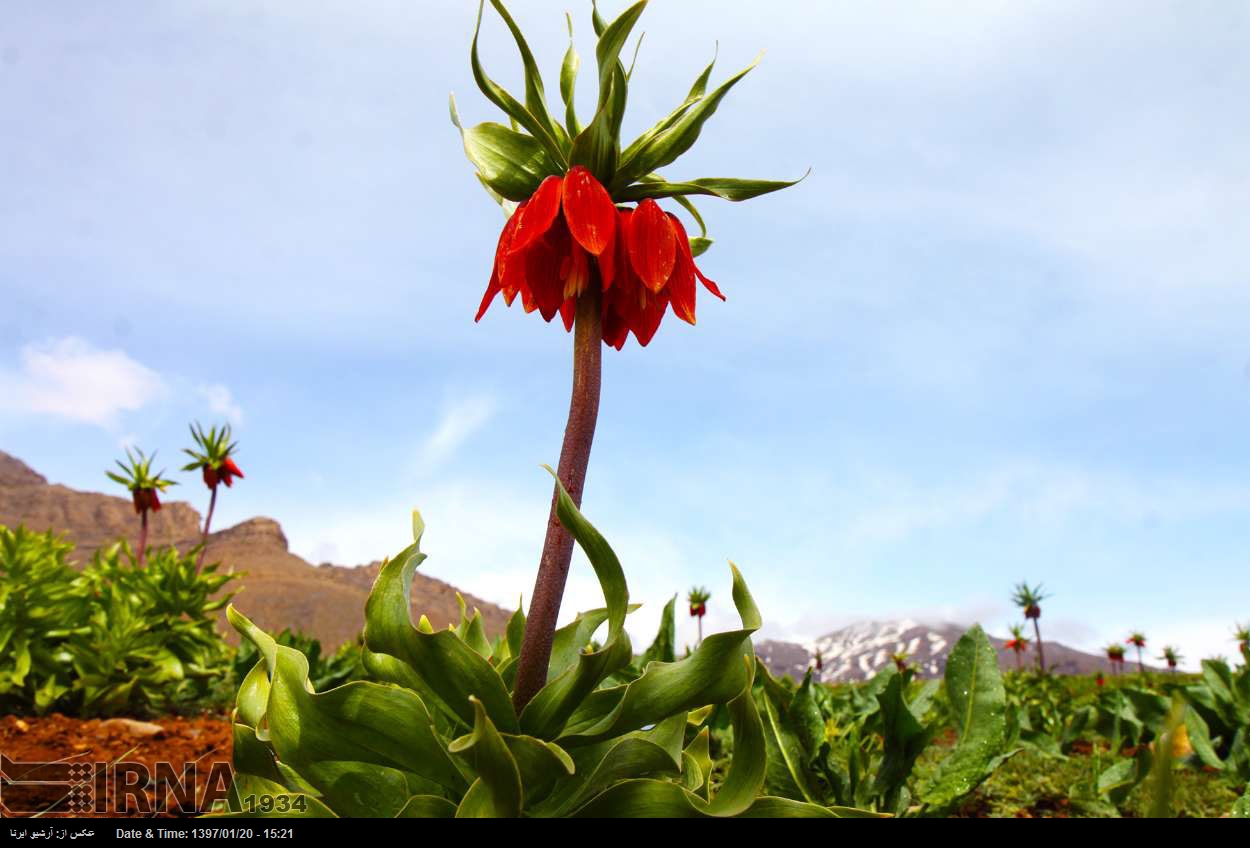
120 767
1046 808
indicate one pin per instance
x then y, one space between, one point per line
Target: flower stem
579 433
1041 655
143 536
212 504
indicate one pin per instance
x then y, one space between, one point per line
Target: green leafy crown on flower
565 186
214 455
138 475
1028 598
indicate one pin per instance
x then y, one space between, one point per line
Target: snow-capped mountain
860 650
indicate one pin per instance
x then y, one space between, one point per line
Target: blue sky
999 333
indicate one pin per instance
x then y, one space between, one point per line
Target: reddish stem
143 535
212 504
1041 656
579 434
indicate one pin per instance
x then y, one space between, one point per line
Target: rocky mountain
860 650
277 589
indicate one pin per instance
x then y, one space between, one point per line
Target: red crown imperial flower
572 231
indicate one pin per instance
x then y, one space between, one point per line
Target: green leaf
598 146
905 740
427 807
787 758
726 188
535 96
445 664
359 721
542 765
549 710
604 766
696 94
568 82
714 673
1241 809
287 805
699 246
1123 776
974 686
536 126
667 145
515 631
359 790
509 164
497 792
698 755
1200 739
663 648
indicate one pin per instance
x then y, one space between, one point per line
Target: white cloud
68 378
459 422
221 402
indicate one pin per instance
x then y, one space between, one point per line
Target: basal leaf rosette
583 212
433 732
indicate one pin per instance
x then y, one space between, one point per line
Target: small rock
21 725
132 727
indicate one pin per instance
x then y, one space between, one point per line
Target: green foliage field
114 638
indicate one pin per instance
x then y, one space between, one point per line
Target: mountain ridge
861 649
277 589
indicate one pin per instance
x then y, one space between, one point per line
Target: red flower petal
510 275
681 285
228 463
649 316
544 260
575 272
210 477
589 211
492 288
153 501
652 244
683 249
534 218
615 331
568 312
614 253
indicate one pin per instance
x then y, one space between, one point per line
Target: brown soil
1046 808
159 761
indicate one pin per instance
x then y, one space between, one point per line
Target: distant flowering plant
1029 600
698 598
1018 643
1171 656
1138 640
145 488
1115 655
215 459
587 239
